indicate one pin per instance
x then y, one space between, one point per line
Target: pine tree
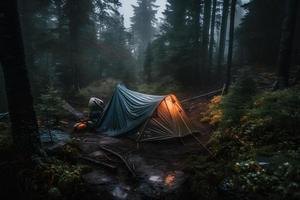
143 22
259 32
181 30
148 63
205 34
212 33
231 40
286 43
82 38
223 33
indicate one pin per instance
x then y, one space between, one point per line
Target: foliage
102 89
163 87
59 177
274 118
237 101
251 177
50 107
257 157
214 113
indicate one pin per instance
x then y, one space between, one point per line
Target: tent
147 117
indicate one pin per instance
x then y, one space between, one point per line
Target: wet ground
123 169
157 168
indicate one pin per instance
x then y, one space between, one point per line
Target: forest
150 99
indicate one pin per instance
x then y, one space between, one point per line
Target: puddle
120 192
53 136
155 179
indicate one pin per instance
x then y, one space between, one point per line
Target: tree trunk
148 64
212 33
205 35
223 33
286 43
20 101
231 41
196 5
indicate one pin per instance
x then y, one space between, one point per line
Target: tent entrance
168 121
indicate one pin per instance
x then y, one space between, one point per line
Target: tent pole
197 139
141 133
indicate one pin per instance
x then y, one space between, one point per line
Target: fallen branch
130 168
121 157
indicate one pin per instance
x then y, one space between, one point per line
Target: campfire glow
169 180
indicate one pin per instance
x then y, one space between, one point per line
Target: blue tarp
152 117
126 111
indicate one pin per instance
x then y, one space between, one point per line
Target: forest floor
153 170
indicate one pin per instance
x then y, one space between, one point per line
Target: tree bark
20 102
212 33
231 41
286 43
205 35
223 33
196 11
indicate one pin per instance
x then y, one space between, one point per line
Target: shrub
50 108
274 118
238 99
60 177
214 114
102 89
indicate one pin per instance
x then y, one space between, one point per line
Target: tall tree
181 30
259 32
22 115
231 41
205 34
223 33
195 10
286 43
148 63
212 32
78 13
143 22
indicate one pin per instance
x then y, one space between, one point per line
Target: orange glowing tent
147 117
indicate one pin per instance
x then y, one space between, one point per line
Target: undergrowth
255 146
